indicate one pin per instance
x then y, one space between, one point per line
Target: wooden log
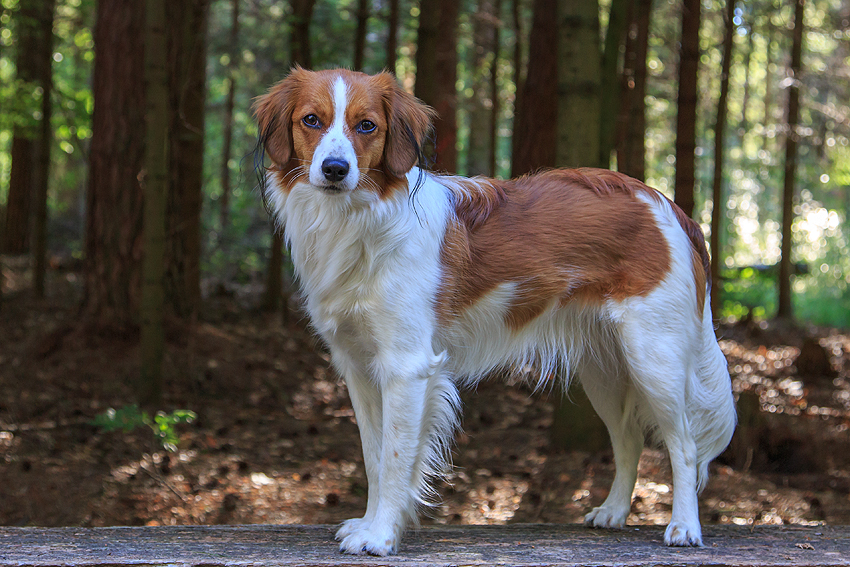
518 544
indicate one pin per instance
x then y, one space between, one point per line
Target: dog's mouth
332 189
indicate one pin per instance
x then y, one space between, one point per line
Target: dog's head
340 130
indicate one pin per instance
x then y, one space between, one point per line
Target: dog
422 283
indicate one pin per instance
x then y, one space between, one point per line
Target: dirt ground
276 442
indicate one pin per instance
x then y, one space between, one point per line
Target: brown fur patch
564 235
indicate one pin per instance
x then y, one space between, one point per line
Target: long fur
410 282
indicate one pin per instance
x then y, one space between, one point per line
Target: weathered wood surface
522 544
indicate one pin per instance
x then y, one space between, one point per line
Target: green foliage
130 417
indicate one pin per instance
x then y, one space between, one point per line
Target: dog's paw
606 517
369 541
348 527
683 534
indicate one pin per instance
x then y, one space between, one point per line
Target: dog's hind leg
659 353
613 399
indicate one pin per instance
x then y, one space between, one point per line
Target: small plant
163 425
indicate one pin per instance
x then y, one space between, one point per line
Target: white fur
371 268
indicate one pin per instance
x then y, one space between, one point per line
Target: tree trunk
575 425
719 205
392 35
227 149
687 107
187 27
302 15
114 198
41 147
631 145
154 180
610 76
767 119
578 83
535 119
786 310
436 76
360 34
518 60
23 175
478 156
494 88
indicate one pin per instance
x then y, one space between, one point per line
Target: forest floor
276 442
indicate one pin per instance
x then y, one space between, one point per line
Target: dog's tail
711 406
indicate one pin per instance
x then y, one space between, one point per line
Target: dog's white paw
606 517
348 527
369 540
683 534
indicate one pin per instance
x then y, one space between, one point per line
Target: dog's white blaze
336 143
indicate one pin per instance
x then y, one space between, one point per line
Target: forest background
129 208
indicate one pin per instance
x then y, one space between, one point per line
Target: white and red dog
420 283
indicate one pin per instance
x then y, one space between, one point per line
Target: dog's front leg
366 401
403 449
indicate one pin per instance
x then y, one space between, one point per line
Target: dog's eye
366 126
311 120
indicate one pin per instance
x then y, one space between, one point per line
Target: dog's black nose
335 169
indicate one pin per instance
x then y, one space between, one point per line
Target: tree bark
535 119
610 75
631 144
227 135
392 36
578 83
360 34
41 146
687 107
494 88
114 198
302 15
719 204
154 180
786 308
436 77
22 177
480 117
187 27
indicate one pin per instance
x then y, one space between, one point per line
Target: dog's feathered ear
409 122
273 112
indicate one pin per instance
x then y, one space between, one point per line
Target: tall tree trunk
744 124
360 34
719 205
392 36
535 119
114 199
631 144
227 135
786 310
575 425
302 15
767 120
154 180
41 147
494 88
610 76
687 107
516 20
187 26
436 76
578 83
23 154
478 156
